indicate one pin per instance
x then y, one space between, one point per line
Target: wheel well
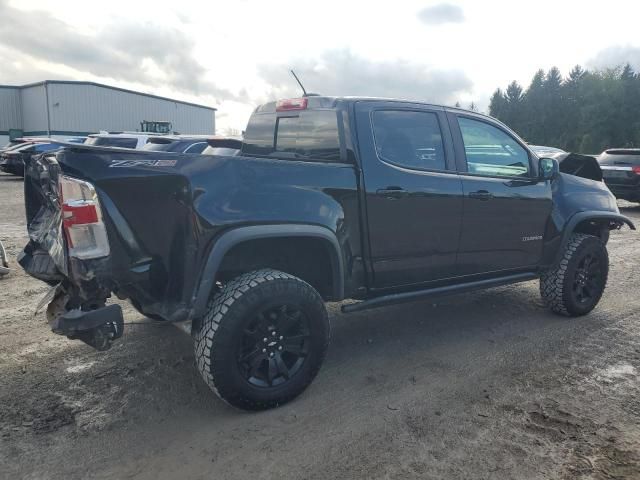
598 227
308 258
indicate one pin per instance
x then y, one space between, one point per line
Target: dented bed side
164 212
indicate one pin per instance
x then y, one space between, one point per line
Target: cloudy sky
236 54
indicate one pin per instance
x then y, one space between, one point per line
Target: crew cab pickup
376 201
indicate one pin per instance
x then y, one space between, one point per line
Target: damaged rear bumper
76 303
97 328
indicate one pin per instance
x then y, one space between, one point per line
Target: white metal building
61 109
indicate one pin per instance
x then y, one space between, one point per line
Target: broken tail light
636 169
82 219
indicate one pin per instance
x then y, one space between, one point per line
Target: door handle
481 195
392 192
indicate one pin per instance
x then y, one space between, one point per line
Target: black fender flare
231 238
580 217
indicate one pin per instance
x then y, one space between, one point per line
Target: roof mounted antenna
304 92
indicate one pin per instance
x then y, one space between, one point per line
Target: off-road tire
556 284
222 329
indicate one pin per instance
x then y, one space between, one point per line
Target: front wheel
574 286
263 339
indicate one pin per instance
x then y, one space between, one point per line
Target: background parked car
206 145
76 140
134 140
15 143
177 143
12 161
228 146
621 172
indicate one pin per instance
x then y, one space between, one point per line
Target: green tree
497 104
572 91
534 110
552 107
514 114
587 112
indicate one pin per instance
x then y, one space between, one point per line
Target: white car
133 140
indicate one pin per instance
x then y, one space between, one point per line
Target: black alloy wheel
587 282
263 339
274 346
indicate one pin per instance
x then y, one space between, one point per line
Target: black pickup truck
378 201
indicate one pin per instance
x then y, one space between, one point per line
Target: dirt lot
484 385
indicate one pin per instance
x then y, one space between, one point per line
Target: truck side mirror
548 168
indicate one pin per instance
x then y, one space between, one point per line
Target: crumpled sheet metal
44 217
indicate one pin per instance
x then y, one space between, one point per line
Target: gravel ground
482 385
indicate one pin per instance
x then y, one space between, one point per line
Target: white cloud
232 55
441 13
615 56
341 72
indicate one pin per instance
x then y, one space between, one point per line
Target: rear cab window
298 135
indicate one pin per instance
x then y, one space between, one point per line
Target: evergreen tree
534 111
572 92
497 104
553 108
514 115
587 112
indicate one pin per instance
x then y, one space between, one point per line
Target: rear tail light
636 169
291 104
82 219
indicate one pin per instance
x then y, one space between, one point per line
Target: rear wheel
574 286
263 339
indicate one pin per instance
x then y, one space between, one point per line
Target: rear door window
409 139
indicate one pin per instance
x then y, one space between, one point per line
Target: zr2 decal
142 163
